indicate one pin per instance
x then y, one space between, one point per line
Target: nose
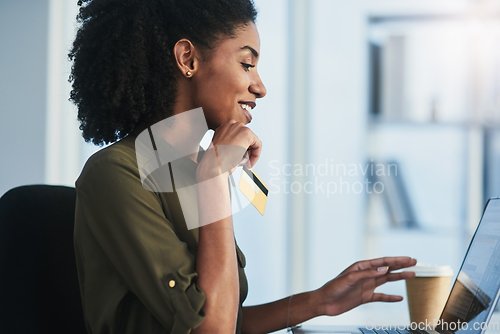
257 87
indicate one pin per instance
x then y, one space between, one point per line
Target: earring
188 73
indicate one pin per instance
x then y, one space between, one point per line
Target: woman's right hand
355 285
231 141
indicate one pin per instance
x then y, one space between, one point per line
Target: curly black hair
122 71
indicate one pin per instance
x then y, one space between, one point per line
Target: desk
372 314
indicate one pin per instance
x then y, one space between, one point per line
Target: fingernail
382 269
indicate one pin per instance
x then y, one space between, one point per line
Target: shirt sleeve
140 243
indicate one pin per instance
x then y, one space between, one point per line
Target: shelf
382 123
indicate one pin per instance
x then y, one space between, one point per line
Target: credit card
254 189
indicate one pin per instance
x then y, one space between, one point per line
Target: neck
185 129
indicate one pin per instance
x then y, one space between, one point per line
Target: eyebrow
254 52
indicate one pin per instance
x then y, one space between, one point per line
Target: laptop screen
473 294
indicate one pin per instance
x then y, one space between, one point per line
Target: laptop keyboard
392 331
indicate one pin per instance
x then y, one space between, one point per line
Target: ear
185 59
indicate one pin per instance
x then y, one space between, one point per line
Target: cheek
231 88
235 80
222 88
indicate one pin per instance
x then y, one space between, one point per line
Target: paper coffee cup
427 293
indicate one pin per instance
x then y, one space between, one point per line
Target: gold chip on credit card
254 189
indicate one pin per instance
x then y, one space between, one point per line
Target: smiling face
226 85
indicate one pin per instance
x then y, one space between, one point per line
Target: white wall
41 142
23 75
66 150
338 119
263 239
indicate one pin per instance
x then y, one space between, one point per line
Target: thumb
245 160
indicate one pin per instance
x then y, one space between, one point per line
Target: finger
255 149
403 264
360 265
394 263
382 297
391 277
226 123
357 275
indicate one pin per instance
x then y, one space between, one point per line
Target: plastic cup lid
424 270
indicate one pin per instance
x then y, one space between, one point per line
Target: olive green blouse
135 257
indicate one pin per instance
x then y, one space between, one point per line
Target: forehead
245 36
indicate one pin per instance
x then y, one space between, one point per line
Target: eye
247 66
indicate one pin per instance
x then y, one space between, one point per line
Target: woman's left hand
356 285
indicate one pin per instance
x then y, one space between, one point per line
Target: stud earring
188 73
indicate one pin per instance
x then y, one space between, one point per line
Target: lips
247 107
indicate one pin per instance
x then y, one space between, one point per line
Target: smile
247 108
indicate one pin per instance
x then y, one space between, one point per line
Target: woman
141 270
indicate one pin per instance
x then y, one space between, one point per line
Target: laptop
474 295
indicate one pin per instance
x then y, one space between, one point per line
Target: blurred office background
354 87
